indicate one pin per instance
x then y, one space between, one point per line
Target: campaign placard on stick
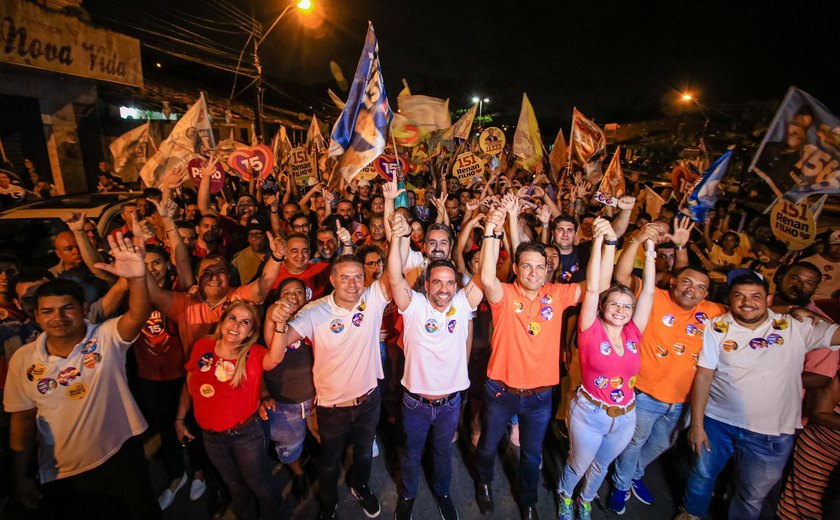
492 140
301 165
258 159
217 180
793 224
467 166
387 166
368 173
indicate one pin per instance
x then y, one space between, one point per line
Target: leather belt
239 427
612 411
353 402
522 392
432 402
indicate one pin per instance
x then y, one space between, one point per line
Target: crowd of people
274 318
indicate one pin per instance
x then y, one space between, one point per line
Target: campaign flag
281 146
358 136
559 153
527 144
653 202
405 131
131 150
335 99
192 134
587 143
707 190
461 128
612 185
428 113
314 139
800 153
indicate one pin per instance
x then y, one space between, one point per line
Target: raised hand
343 235
682 231
583 189
128 258
495 220
209 167
276 244
626 202
76 222
281 313
167 208
647 232
544 214
399 225
510 203
602 228
473 204
391 190
173 177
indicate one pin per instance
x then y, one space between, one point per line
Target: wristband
273 210
650 254
680 248
610 242
284 330
497 236
278 260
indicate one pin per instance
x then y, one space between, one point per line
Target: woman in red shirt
602 416
224 375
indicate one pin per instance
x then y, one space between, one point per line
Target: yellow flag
612 185
527 145
559 153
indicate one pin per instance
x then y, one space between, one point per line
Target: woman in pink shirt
602 416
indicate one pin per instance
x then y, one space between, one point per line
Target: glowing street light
480 102
687 97
304 5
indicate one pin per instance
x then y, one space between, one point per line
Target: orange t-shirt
671 345
196 318
526 335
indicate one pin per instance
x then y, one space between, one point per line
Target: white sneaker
375 448
197 489
514 434
165 499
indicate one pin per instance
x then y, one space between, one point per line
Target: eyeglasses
374 263
302 226
9 271
619 305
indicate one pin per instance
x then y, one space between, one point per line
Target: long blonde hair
241 350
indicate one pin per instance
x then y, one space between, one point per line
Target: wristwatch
610 242
495 235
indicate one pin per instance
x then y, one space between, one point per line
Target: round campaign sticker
616 395
780 324
679 349
518 307
90 346
431 326
534 328
34 372
336 326
632 382
207 390
77 391
668 320
224 370
566 276
692 330
575 267
90 360
205 362
730 346
47 385
758 343
720 326
66 376
661 352
357 319
631 346
775 339
546 300
605 348
451 326
601 382
547 313
616 382
701 317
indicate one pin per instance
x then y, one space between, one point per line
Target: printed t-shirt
758 373
158 350
821 361
315 278
196 318
436 346
671 346
526 335
217 405
608 377
345 343
85 408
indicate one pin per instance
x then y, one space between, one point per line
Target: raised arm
90 256
129 264
544 216
390 191
203 196
400 290
167 208
271 269
682 232
625 205
464 237
277 332
589 305
510 203
490 255
644 303
624 267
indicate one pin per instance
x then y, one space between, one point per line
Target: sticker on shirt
632 382
547 313
720 326
296 345
546 300
207 390
90 360
757 343
606 348
631 346
90 346
47 385
205 362
534 328
601 382
309 294
780 324
679 349
336 326
701 317
518 307
775 339
566 276
357 319
692 330
730 345
617 395
451 326
661 352
35 372
668 320
616 382
77 391
431 326
451 312
224 370
361 306
68 375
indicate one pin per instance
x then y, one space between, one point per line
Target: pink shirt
606 375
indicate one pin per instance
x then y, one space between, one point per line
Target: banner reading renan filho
31 36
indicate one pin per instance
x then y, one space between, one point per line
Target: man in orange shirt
525 359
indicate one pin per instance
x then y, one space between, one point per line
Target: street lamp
480 102
687 97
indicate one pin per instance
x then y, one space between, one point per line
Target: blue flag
706 191
358 136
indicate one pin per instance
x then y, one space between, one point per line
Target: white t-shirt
758 373
85 409
436 346
345 344
830 283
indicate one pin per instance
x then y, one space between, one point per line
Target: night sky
615 61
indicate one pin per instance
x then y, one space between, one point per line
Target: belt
612 411
239 427
432 402
522 392
353 402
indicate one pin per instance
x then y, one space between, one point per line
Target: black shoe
484 498
324 515
404 507
369 502
300 488
528 513
446 507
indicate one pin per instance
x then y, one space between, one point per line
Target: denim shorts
287 428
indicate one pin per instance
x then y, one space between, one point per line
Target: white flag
130 152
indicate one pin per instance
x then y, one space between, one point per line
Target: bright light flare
687 97
304 5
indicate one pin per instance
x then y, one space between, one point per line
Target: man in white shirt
746 396
344 331
69 386
435 331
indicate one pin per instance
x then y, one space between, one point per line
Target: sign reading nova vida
35 37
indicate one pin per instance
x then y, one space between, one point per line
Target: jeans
419 420
656 423
761 461
287 427
338 426
534 413
241 460
159 402
595 440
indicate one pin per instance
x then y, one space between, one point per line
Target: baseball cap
834 237
311 181
363 183
742 271
255 224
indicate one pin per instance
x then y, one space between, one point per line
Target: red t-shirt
607 376
218 405
158 350
316 278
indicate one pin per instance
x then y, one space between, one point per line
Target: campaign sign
492 140
368 173
386 165
793 224
301 165
217 180
257 159
467 166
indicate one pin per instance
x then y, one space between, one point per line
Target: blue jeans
595 441
656 423
242 462
534 413
287 427
761 460
419 420
338 426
